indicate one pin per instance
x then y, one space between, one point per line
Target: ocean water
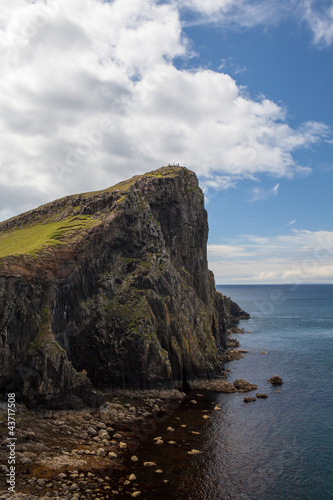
280 448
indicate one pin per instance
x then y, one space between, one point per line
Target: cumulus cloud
90 95
298 257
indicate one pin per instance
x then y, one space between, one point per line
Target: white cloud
237 13
319 16
209 6
223 252
230 65
299 257
263 194
291 223
89 95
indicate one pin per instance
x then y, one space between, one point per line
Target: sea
279 448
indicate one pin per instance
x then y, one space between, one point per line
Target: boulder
275 380
244 386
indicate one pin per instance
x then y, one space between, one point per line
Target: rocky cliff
110 289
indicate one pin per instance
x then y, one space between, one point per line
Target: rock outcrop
244 386
110 289
275 380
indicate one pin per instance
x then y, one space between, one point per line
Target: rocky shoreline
73 454
79 455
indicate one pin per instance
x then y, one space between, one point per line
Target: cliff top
68 219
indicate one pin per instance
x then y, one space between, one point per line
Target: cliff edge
110 289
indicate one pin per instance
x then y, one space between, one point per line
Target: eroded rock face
124 301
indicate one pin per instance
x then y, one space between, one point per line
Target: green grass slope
59 222
31 239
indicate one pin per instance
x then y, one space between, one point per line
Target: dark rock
261 396
218 385
232 342
119 295
249 400
244 386
275 380
232 355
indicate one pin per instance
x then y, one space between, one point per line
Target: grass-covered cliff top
33 238
123 186
60 221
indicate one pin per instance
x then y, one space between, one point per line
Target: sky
93 92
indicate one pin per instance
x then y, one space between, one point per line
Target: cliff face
110 289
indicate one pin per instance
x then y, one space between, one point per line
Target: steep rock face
110 289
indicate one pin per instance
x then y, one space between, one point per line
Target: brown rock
217 385
249 400
261 396
275 380
244 386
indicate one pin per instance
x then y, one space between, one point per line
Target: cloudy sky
240 91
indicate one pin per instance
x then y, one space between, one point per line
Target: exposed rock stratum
110 289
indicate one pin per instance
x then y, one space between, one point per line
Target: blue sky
283 63
92 92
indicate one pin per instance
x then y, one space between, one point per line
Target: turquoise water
279 448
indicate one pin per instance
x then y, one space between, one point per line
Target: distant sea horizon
272 284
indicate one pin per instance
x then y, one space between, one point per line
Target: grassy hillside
47 226
31 239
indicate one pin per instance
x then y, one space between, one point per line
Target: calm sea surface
280 448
